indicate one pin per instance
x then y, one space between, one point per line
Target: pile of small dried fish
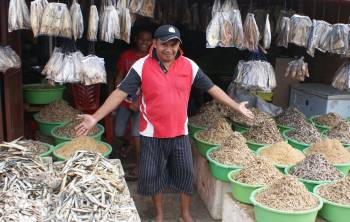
315 167
233 151
265 132
329 119
18 15
297 69
245 121
338 192
209 113
291 117
8 59
217 133
68 130
332 149
255 75
57 111
283 154
33 146
307 134
81 143
340 132
341 79
258 172
215 107
287 194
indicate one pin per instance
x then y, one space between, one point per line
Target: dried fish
251 33
340 132
330 119
338 192
217 133
36 12
283 35
292 117
341 79
147 8
68 130
307 134
93 24
264 132
300 28
267 33
247 122
297 69
77 20
8 59
18 15
320 30
58 111
333 151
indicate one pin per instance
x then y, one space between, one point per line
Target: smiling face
143 41
166 51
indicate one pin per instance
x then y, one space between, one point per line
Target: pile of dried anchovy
315 167
233 151
283 154
333 151
217 133
307 134
340 132
291 117
265 132
245 121
287 194
58 111
258 172
204 120
330 120
34 146
338 192
69 131
215 107
81 143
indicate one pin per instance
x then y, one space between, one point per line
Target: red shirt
125 62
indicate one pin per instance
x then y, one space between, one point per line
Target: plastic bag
135 6
109 25
338 39
56 21
37 8
213 31
341 80
279 22
18 15
125 24
255 75
283 36
93 24
260 19
238 34
216 8
93 71
297 69
267 33
123 4
229 5
147 8
251 33
300 27
8 59
319 32
77 20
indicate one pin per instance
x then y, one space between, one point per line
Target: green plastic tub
40 94
61 158
331 211
283 128
309 184
45 127
280 167
255 146
239 127
192 129
241 191
344 168
203 146
218 170
321 128
59 139
267 214
49 151
296 144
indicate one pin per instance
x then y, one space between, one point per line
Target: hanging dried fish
93 70
135 6
341 80
77 20
297 69
56 21
238 35
125 24
36 12
93 24
216 7
8 59
318 35
300 28
18 15
147 8
267 33
213 31
109 24
283 35
251 33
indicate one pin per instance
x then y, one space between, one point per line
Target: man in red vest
165 77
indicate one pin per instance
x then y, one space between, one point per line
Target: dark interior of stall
218 63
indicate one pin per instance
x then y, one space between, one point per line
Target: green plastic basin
49 151
294 143
331 211
60 139
218 170
241 191
321 128
239 127
280 167
192 129
309 184
33 94
267 214
61 158
342 167
203 146
255 146
46 127
283 128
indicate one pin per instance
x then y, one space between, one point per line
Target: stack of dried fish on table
8 59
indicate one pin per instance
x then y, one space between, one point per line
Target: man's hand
244 110
134 106
88 123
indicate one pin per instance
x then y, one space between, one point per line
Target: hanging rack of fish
8 59
87 187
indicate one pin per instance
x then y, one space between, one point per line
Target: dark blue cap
167 32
